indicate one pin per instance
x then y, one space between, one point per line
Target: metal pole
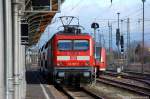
118 44
22 73
109 35
111 57
103 39
99 37
134 52
8 47
15 49
19 55
121 34
95 41
1 51
118 19
128 41
122 53
59 3
24 70
143 39
95 54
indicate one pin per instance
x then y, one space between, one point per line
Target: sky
102 11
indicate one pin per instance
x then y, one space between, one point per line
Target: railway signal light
95 25
117 36
122 43
121 40
122 48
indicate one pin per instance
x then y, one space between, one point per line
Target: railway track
145 91
72 92
139 75
142 79
77 93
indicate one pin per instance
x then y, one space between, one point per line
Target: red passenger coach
103 61
100 61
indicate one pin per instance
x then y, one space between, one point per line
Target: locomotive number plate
73 57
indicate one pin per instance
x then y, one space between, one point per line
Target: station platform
34 89
37 87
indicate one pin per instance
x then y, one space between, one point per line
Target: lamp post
118 19
118 41
95 26
118 36
143 1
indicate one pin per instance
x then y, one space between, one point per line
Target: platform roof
38 21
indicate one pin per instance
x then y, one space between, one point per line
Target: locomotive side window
81 45
65 45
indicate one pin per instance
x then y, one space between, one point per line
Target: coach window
65 45
81 45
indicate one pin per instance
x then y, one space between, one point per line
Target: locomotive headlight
87 63
86 74
61 74
58 64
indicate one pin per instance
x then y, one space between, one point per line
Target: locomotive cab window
81 45
65 45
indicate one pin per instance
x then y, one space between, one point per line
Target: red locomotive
69 56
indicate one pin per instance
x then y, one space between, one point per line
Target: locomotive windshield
81 45
73 45
65 44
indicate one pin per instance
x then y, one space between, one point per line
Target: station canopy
38 14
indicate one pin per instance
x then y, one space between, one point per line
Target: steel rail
78 93
74 90
128 76
134 88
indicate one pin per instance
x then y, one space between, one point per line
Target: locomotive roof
63 33
70 34
67 34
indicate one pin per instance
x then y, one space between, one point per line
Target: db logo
73 57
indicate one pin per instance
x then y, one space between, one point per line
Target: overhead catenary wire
74 7
133 13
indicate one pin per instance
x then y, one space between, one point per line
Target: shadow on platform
33 76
